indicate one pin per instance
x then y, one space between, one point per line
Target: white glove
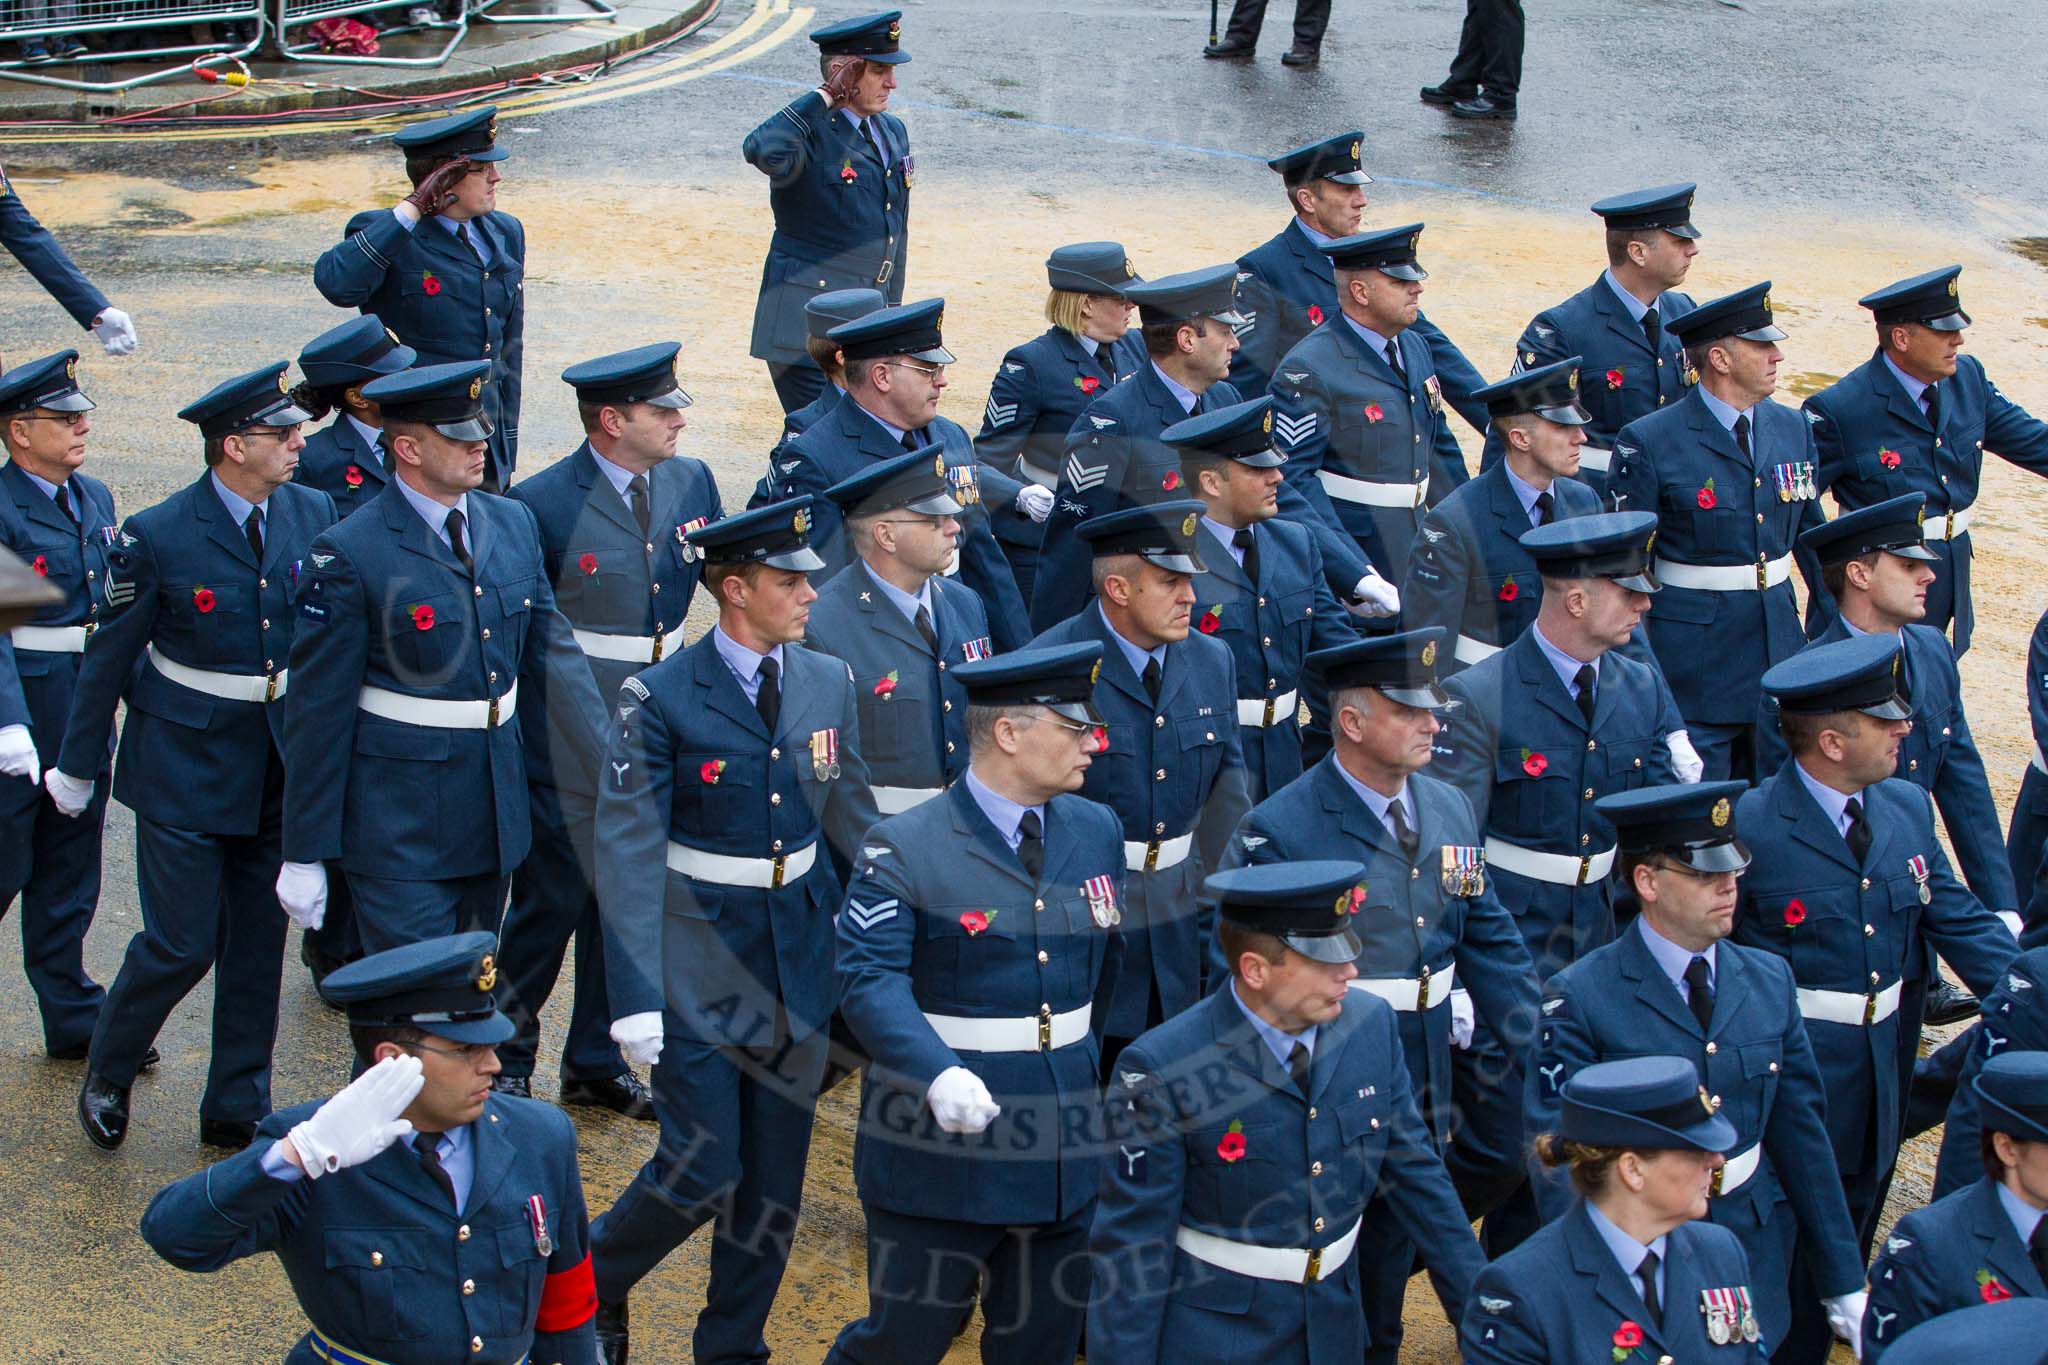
960 1102
1376 596
362 1120
1684 757
2011 920
18 754
1462 1018
639 1037
1035 501
116 331
302 891
1845 1318
69 795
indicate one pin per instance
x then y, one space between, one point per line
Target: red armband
569 1299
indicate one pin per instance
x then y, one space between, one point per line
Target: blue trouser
391 913
209 903
1727 751
1487 1157
336 942
735 1136
798 385
925 1273
52 863
551 903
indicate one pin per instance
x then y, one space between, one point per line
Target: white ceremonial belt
51 639
2038 761
1850 1007
1040 1032
629 649
256 687
1947 526
1736 1170
1564 869
766 874
1471 651
1407 992
1263 712
1286 1264
1044 478
1595 457
1373 494
1756 577
1160 853
436 714
896 800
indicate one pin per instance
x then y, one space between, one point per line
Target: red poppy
588 563
1357 899
1534 764
353 476
1888 458
1374 412
1231 1148
1705 497
1628 1336
41 566
848 173
1315 315
886 686
202 600
974 921
1211 619
1614 379
1101 740
1171 481
1990 1290
1087 383
1509 590
1795 913
428 284
710 770
422 617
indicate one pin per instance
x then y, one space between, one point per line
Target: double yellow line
768 26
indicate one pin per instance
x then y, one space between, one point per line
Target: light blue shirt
484 254
618 478
896 433
744 663
1672 959
1916 389
1833 804
1626 1250
49 489
436 516
1636 307
1726 416
1309 231
902 600
1133 655
1527 492
1378 344
1182 394
2024 1215
1280 1044
457 1150
1567 667
1092 346
373 438
1378 804
1226 534
1006 815
238 506
881 142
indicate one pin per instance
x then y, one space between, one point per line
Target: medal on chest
1102 907
1464 870
825 754
537 1217
1795 482
1917 865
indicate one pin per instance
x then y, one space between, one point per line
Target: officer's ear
1211 480
384 1052
1643 876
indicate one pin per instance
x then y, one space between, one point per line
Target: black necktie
1102 358
768 693
252 526
1698 993
1150 677
1742 435
1404 833
64 501
1646 1276
867 132
1588 683
469 240
924 627
455 540
1248 545
637 488
910 442
1653 329
2037 1247
1858 834
1031 844
1932 398
1394 361
1544 508
1298 1064
428 1145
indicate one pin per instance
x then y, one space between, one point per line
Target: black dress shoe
233 1134
1483 107
103 1111
1228 51
522 1086
1300 56
1948 1003
624 1093
84 1050
149 1060
611 1333
1445 95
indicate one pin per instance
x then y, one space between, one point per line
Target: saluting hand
437 191
359 1122
842 80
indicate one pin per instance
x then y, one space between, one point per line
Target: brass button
775 798
264 583
462 1233
1759 483
1589 793
1712 1048
1869 930
1038 905
949 746
494 675
526 601
1159 722
266 625
1774 1067
1913 765
1873 978
1375 1123
1311 1111
1319 1225
469 1286
476 1344
1759 518
1042 957
376 1258
775 753
776 847
1159 775
1866 883
1316 1168
1585 839
1208 734
1159 828
486 631
1716 1101
1591 745
648 547
1266 641
1413 873
946 706
1419 921
478 591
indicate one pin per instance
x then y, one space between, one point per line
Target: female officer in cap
1041 387
345 459
1628 1274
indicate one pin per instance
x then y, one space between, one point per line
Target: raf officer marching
976 949
456 291
418 1215
730 764
612 519
345 459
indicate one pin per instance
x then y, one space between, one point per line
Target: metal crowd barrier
77 17
291 14
484 16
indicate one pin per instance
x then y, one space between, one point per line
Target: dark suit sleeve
986 569
568 1301
1447 471
1439 570
1301 428
1416 1186
228 1211
1820 603
1131 1238
1458 377
1963 793
632 848
1565 1044
1512 1336
512 354
877 931
780 148
1010 416
43 258
1091 481
353 269
108 663
1258 346
1230 798
2011 433
1632 476
850 810
555 666
1463 751
1969 937
1904 1291
1803 1156
330 651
